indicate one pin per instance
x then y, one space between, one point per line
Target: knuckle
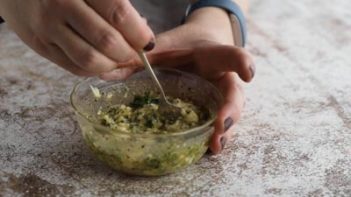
87 59
107 41
119 12
128 54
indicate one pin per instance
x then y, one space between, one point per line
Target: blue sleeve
228 5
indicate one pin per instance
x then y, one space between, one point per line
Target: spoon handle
151 72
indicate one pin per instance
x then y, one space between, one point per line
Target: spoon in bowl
166 108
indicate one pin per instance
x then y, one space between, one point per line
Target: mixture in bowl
170 143
142 116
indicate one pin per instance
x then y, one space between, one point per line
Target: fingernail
228 123
223 142
252 70
149 46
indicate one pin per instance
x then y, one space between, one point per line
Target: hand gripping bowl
141 153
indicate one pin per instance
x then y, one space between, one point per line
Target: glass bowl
144 153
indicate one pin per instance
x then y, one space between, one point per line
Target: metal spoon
166 108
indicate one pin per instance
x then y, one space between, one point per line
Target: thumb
229 112
224 58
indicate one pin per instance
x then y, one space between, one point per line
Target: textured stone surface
294 138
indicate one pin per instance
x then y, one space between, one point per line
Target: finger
171 58
229 112
123 16
99 33
211 61
53 53
119 74
223 58
82 53
59 57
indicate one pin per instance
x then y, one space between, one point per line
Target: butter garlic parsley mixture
142 116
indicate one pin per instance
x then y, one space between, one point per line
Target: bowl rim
181 133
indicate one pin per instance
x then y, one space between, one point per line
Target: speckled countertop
294 138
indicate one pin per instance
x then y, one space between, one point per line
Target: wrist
234 12
204 25
213 21
185 36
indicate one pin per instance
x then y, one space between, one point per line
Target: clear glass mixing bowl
139 153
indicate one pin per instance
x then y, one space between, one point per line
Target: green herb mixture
142 116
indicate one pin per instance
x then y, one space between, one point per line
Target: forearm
216 21
205 24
